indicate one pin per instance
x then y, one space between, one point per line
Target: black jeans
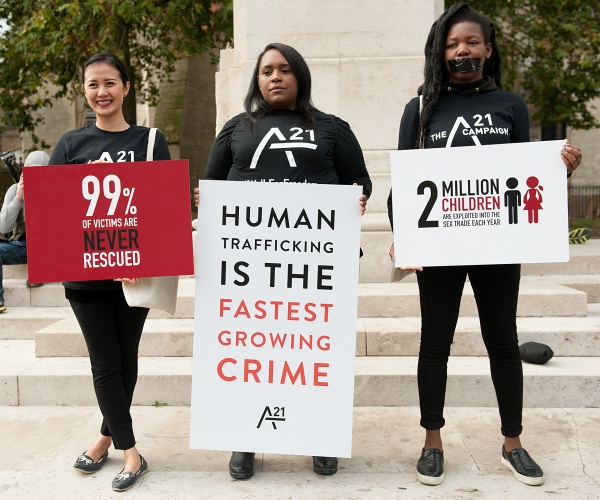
112 332
496 289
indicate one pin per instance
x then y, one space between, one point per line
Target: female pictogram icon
532 201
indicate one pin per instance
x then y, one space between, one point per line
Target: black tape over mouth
464 65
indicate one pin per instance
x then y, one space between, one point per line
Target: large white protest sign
275 318
495 204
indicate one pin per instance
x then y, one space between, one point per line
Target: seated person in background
13 249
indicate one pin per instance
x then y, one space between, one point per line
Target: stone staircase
43 356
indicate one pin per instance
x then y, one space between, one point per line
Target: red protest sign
109 220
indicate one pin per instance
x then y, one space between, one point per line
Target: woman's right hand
20 194
571 156
197 196
411 268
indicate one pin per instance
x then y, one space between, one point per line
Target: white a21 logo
287 146
121 156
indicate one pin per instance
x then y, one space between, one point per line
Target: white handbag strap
151 139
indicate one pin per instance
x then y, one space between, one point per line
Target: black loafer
86 464
326 466
522 466
430 467
241 465
125 480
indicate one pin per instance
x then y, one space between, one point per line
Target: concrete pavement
39 446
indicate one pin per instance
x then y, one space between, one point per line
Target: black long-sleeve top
467 115
278 149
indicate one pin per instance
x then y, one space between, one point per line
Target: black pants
112 332
496 290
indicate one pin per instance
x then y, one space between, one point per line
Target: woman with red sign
462 91
112 330
321 149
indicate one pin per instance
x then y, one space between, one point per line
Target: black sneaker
2 307
430 467
522 466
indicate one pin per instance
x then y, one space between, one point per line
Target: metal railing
584 201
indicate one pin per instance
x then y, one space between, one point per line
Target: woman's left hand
571 156
362 201
128 281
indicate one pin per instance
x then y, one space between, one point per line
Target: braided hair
436 75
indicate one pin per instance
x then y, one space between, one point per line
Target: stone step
27 380
584 259
15 271
16 294
375 266
376 238
588 283
379 381
567 336
23 322
560 383
161 337
537 297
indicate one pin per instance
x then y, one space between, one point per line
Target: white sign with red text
275 318
497 204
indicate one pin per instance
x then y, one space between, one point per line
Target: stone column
366 60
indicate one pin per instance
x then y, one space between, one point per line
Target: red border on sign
110 220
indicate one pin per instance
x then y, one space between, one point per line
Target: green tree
550 50
45 42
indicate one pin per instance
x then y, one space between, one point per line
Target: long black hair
254 104
436 75
106 58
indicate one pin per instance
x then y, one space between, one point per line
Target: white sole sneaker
430 480
531 481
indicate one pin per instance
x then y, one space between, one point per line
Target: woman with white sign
462 92
282 137
112 330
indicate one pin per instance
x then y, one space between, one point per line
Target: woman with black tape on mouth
462 83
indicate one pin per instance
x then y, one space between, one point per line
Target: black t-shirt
91 143
468 119
470 116
277 149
